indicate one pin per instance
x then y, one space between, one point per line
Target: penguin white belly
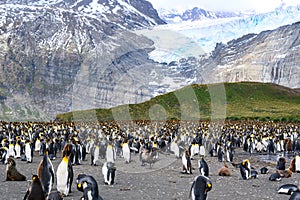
18 151
62 178
110 154
297 164
184 162
104 172
126 153
202 151
28 152
37 146
11 151
96 154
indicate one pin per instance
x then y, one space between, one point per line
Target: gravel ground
163 181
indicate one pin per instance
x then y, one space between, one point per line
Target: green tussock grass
234 101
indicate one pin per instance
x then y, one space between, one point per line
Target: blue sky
222 5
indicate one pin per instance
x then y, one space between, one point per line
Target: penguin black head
200 187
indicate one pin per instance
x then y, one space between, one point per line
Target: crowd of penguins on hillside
111 140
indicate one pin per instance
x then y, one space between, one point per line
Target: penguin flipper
26 195
190 195
52 174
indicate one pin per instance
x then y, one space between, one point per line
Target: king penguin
108 171
88 185
46 173
126 152
200 187
295 195
297 163
64 173
35 190
186 162
110 153
28 151
203 167
245 169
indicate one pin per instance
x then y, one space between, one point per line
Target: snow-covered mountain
205 34
177 16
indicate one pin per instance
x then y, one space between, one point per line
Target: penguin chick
285 173
35 190
200 187
224 171
12 174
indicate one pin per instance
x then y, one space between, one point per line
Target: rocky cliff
67 55
271 56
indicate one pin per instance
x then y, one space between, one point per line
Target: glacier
194 38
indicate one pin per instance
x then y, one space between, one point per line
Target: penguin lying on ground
12 174
203 167
35 190
287 189
88 185
264 170
275 177
200 187
108 171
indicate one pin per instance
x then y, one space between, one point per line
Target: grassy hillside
200 102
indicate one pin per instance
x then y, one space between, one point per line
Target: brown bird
285 173
224 171
12 173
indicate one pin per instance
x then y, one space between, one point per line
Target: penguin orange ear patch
209 185
79 185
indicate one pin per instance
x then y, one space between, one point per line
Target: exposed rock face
271 56
51 55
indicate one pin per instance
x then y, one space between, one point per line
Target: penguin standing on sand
297 163
35 190
203 167
64 173
46 173
109 171
110 153
200 187
126 152
245 169
186 162
18 149
4 155
12 174
94 154
88 185
28 151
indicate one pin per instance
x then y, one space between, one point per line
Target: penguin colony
111 141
